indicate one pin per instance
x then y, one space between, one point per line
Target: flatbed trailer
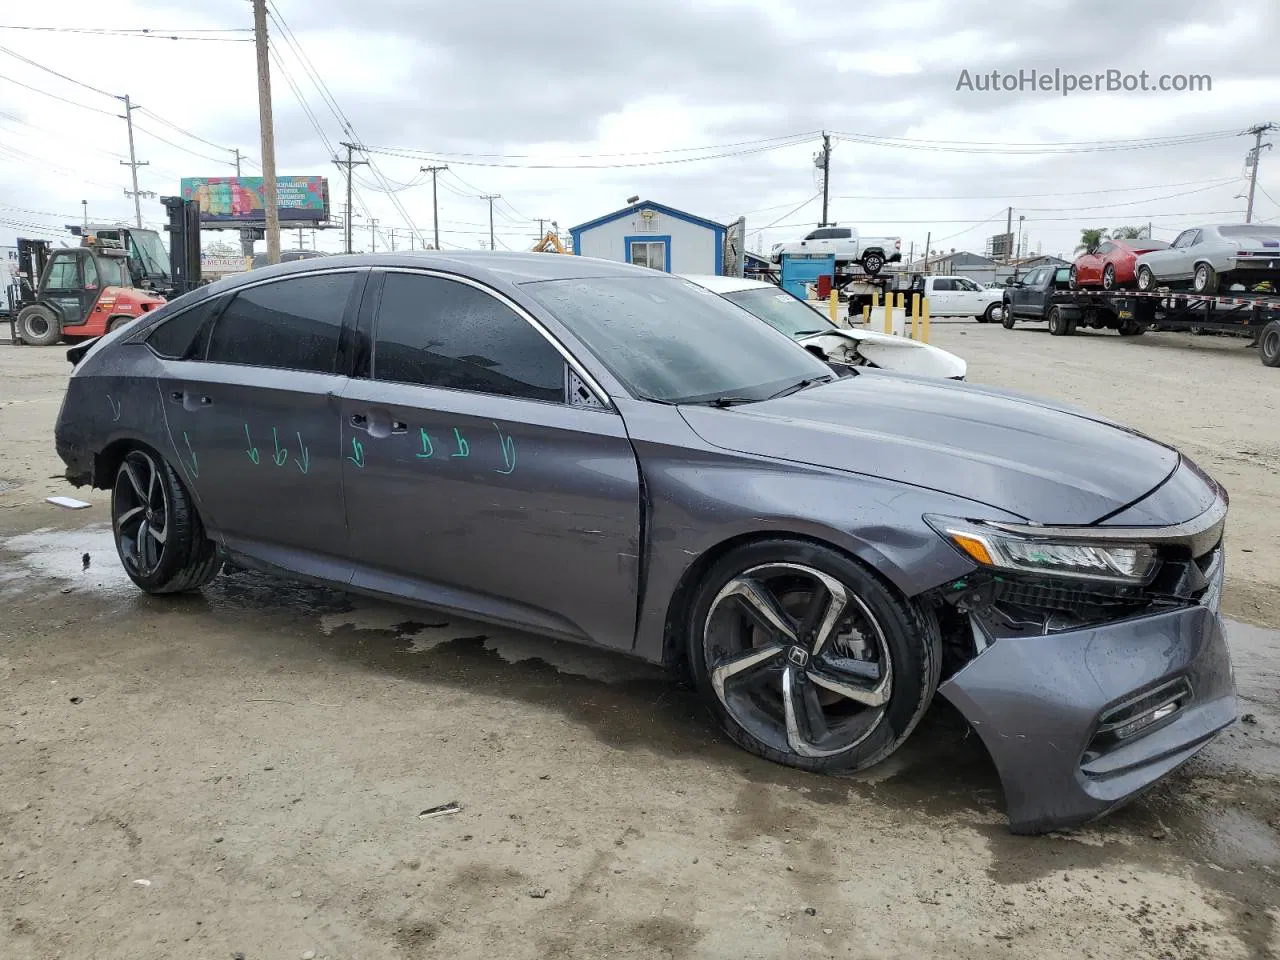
1131 312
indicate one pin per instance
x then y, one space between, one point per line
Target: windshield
1252 230
146 247
670 340
780 310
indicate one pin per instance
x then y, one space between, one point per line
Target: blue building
654 235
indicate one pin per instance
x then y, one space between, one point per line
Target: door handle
398 426
360 421
185 398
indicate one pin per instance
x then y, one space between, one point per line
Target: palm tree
1129 233
1091 239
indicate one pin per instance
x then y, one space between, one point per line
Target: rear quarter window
185 336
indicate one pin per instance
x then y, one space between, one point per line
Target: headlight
1088 558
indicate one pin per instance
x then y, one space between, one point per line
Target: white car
809 325
950 296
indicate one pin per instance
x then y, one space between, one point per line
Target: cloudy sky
566 108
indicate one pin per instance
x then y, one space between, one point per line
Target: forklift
80 293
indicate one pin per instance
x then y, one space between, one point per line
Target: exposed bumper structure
1080 722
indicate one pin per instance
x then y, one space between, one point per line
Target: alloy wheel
140 514
798 660
1109 277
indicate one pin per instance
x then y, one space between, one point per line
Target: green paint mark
252 451
464 448
427 448
115 408
194 465
304 463
357 456
282 455
508 451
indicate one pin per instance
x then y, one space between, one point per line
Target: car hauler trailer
1131 312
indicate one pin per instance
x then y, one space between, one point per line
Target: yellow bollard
915 316
924 319
901 302
835 306
888 314
866 316
875 299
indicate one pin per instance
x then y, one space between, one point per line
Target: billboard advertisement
240 199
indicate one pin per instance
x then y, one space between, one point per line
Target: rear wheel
1146 279
872 263
1205 279
1058 325
807 659
38 326
158 533
1073 277
1269 344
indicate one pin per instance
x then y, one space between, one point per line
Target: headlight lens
1085 559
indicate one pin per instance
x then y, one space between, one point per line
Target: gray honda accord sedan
612 455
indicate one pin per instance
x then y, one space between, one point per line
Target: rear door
472 480
252 409
942 297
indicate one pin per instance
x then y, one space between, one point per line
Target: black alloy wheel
808 660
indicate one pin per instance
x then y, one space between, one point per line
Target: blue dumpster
801 269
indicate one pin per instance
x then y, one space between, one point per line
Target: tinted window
1106 248
62 273
843 233
185 336
815 234
943 284
292 324
670 340
442 333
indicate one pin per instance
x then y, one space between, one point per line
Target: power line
794 209
62 76
1024 149
194 136
177 146
1190 213
631 153
74 103
146 32
1022 196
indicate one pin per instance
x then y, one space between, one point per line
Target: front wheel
1109 277
158 533
992 314
807 659
1007 319
1146 279
38 326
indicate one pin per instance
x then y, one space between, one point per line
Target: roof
717 284
647 205
513 268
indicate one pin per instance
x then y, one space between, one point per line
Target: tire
1132 328
1007 319
1073 278
994 312
38 326
1146 279
148 497
1109 277
873 263
1058 325
115 323
1269 344
894 644
1205 280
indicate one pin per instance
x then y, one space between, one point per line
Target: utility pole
349 163
373 235
1008 234
269 198
928 238
435 209
1254 156
237 150
85 206
491 197
133 163
823 162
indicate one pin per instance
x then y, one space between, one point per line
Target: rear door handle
360 421
185 398
398 426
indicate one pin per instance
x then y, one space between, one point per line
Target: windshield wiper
800 385
730 401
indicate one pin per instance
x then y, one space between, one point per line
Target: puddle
57 557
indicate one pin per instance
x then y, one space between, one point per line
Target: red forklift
82 292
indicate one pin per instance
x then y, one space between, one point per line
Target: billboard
241 200
1000 247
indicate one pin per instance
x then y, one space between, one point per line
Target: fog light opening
1142 714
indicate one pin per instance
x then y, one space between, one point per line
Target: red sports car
1112 265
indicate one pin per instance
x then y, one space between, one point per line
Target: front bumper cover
1038 702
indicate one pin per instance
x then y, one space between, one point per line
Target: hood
1043 463
888 352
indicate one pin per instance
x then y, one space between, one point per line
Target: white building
654 235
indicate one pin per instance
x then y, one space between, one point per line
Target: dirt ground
242 772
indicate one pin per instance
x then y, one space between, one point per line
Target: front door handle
190 401
360 421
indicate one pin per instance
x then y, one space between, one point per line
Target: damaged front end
1091 661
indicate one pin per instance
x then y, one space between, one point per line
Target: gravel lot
260 755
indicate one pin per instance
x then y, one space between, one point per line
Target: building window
649 253
647 222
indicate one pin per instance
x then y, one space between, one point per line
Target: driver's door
1177 265
1020 292
66 285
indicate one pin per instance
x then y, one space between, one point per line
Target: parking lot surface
245 771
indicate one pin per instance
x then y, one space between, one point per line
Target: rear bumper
1039 704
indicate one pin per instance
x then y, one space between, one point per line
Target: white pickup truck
872 253
958 297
